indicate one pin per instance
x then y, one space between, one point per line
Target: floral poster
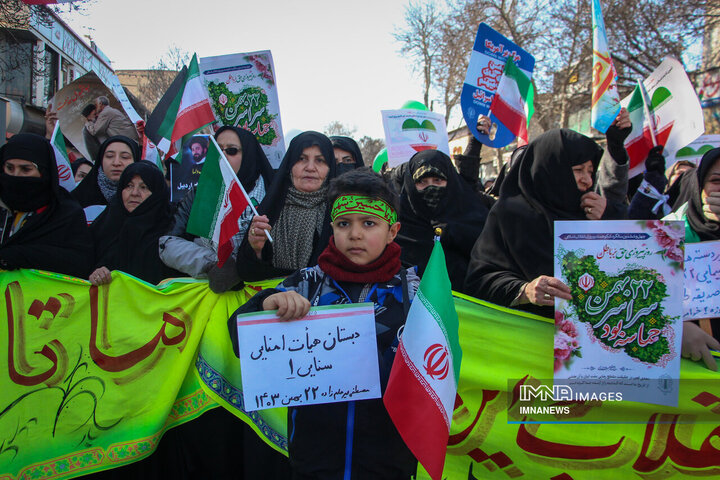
243 93
623 327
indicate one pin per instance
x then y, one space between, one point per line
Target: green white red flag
512 103
65 173
183 110
421 391
219 202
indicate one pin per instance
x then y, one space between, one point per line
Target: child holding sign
353 439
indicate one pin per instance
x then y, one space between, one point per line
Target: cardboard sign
243 93
623 325
490 52
701 297
328 356
409 131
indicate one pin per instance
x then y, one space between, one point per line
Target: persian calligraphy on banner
625 316
330 355
490 53
409 131
176 383
701 297
243 93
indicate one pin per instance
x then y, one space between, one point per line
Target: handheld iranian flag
65 173
219 202
512 103
421 391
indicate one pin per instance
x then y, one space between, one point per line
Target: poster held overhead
408 131
490 52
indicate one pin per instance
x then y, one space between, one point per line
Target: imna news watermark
559 394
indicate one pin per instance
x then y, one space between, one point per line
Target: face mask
24 194
432 195
341 168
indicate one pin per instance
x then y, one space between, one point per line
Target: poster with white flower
243 93
622 330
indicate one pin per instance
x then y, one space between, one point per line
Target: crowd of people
342 233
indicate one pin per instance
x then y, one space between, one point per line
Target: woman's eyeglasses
231 151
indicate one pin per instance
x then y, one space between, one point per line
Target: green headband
348 204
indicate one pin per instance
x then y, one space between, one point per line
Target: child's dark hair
362 181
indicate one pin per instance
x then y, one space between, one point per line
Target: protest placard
701 297
409 131
328 356
185 170
490 52
694 151
675 118
623 325
243 93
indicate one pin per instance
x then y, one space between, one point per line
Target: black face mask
432 195
341 168
24 194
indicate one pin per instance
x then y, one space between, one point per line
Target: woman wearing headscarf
347 154
44 227
434 196
701 214
100 185
126 233
295 212
197 257
512 261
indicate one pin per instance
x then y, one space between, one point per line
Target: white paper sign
328 356
702 281
622 329
694 151
409 131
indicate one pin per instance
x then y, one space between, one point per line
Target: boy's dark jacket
317 433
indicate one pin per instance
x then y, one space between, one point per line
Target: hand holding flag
219 203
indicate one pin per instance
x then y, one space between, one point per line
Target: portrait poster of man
185 169
79 105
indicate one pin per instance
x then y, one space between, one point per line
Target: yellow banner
94 376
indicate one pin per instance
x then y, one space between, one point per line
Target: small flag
605 96
219 202
150 152
421 391
65 173
512 103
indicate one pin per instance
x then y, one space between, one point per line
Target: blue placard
487 60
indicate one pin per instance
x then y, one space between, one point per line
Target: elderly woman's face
584 175
135 193
229 142
308 173
117 156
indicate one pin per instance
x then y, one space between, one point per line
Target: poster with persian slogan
243 93
622 330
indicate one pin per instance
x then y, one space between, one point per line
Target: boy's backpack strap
405 294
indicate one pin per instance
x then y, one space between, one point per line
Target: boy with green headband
361 264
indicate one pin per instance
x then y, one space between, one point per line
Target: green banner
95 376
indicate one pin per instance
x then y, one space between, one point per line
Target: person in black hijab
197 257
296 209
127 232
434 196
100 185
512 261
44 227
347 154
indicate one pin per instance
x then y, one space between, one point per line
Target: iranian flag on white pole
219 202
150 152
421 391
65 173
512 103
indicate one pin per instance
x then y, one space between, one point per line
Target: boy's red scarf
340 268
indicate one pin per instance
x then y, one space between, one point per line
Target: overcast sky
334 60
